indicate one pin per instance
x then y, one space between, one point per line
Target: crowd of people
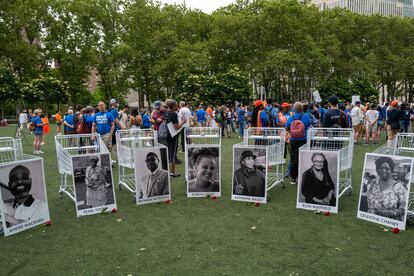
368 121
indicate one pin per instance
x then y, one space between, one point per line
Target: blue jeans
241 128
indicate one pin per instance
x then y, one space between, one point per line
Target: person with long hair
386 195
205 167
317 185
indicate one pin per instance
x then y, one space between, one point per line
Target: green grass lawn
205 236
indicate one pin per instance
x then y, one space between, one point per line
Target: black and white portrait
23 196
385 189
318 180
203 171
94 191
249 174
151 175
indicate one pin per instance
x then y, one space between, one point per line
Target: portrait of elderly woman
386 195
317 185
93 181
249 179
203 170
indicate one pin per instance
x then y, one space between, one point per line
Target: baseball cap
258 103
112 101
157 104
394 103
285 104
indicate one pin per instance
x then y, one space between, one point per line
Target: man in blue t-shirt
114 112
296 143
241 114
201 116
68 122
103 123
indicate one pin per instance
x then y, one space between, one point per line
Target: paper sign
317 96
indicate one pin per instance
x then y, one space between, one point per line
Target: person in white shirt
371 117
357 117
23 207
123 117
23 119
186 114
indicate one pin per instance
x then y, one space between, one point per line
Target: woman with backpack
135 120
297 125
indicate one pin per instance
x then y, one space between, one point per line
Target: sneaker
293 182
40 152
35 152
42 143
174 174
113 161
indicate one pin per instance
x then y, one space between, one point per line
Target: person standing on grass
241 119
38 131
59 122
334 117
201 116
103 123
123 117
393 120
185 114
371 118
68 122
46 128
146 119
405 117
172 117
357 117
23 119
297 125
114 112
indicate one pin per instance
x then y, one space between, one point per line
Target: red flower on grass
326 214
48 223
114 210
213 197
395 230
168 201
257 204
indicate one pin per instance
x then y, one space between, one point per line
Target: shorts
107 141
172 151
391 132
39 134
371 128
380 124
358 128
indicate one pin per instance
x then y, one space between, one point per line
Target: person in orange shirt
46 128
210 118
58 119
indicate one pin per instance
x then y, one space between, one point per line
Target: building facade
385 7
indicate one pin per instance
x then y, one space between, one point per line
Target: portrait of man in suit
155 182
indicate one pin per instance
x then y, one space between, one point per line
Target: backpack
297 128
339 122
271 115
163 130
82 127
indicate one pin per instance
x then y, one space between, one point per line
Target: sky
205 5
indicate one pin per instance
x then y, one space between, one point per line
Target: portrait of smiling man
24 206
155 182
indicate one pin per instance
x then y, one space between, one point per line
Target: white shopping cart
402 145
335 139
274 140
68 146
126 142
202 138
